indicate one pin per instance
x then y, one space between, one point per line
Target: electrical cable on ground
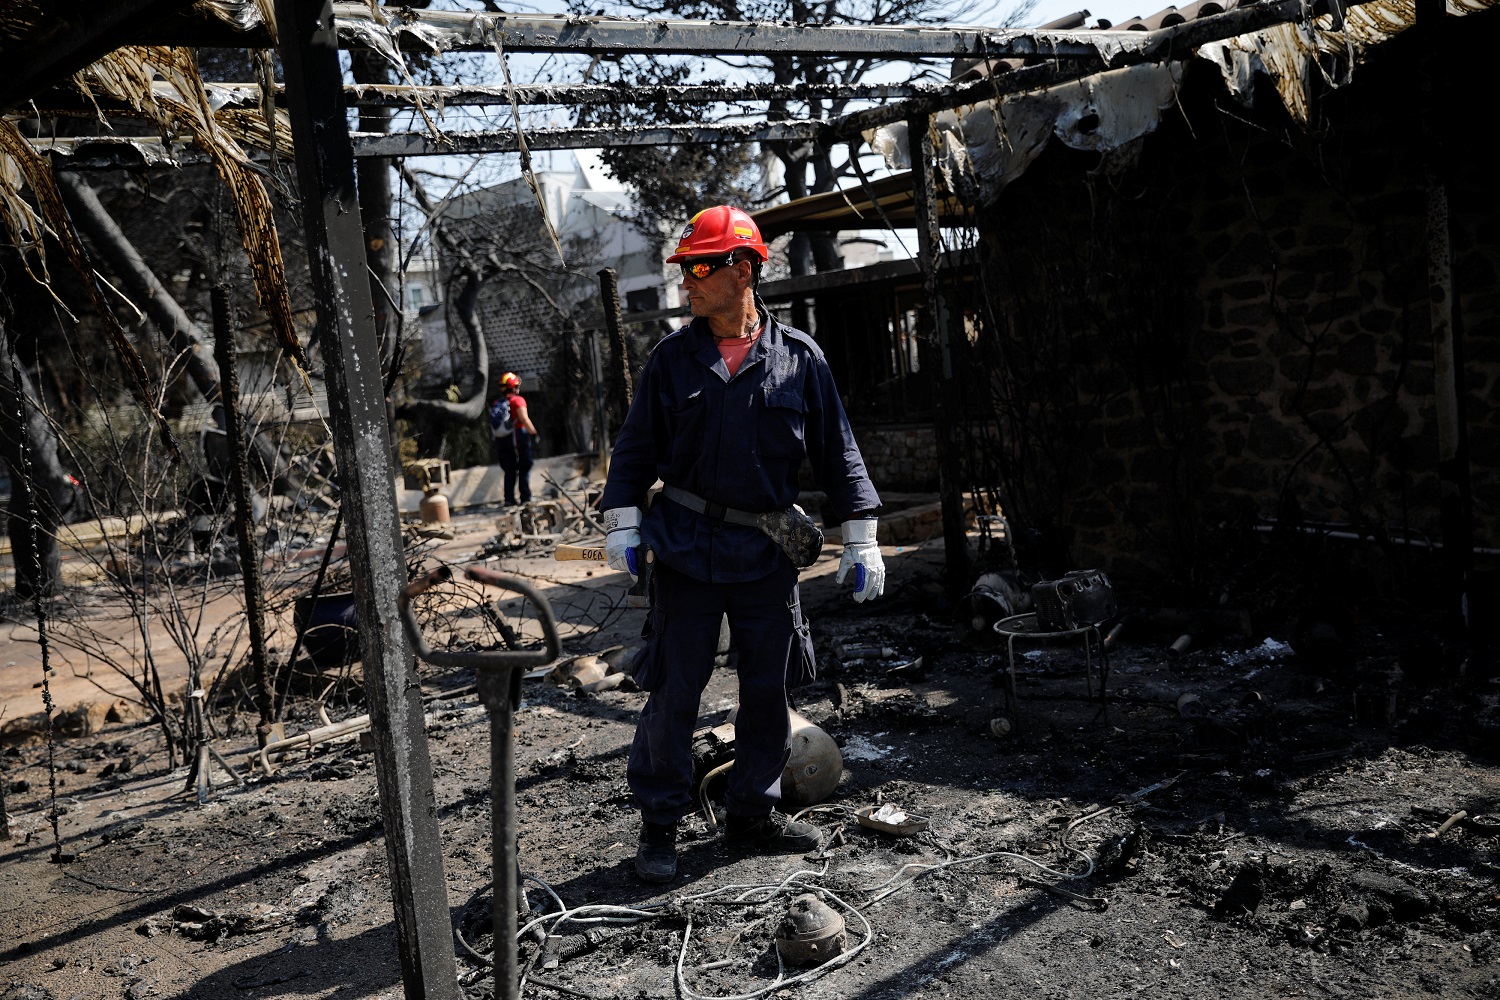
797 882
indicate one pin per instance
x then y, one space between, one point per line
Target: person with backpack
512 432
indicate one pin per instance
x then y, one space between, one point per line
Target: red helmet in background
510 380
717 231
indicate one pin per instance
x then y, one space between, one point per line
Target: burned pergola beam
77 34
1020 81
625 94
457 31
467 31
507 141
247 95
109 152
443 31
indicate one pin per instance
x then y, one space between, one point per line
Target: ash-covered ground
1284 831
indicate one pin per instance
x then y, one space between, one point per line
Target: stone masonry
1231 326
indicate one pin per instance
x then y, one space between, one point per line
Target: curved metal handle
494 659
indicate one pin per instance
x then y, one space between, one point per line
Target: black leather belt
717 511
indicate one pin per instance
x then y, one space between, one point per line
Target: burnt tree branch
471 402
185 337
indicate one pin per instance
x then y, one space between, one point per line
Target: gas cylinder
815 765
434 507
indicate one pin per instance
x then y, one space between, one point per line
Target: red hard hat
510 380
719 230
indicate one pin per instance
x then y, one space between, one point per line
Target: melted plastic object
811 932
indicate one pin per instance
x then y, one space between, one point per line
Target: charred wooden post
601 409
1447 344
922 152
244 515
346 336
41 489
374 182
621 389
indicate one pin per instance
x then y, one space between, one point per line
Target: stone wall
900 459
1233 327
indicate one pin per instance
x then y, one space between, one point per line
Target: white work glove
624 527
862 554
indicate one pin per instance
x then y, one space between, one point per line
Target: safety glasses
701 269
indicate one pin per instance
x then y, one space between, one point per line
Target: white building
539 314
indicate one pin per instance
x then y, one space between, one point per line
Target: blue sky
1112 10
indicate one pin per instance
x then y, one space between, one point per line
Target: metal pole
499 682
498 689
929 248
346 337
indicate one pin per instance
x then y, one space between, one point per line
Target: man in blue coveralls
725 412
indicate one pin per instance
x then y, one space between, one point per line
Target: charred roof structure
1208 298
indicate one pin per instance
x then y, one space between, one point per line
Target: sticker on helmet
686 232
742 232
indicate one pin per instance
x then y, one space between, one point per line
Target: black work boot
773 833
656 852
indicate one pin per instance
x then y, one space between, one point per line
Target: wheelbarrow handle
494 659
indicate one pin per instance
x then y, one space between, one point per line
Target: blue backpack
501 423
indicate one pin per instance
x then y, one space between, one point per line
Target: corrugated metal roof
986 146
